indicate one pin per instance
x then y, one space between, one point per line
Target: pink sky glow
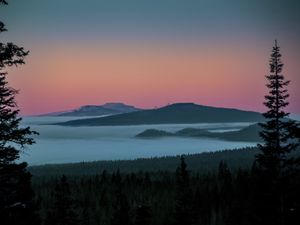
66 77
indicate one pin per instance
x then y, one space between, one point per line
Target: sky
150 53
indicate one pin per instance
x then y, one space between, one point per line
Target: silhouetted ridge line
110 108
179 113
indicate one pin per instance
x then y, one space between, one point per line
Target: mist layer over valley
61 144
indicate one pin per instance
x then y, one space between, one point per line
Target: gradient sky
150 53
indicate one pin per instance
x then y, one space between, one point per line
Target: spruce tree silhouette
16 196
143 215
274 162
121 214
62 211
279 140
183 208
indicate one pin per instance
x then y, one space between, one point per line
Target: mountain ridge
110 108
181 113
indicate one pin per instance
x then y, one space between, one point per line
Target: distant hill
97 110
153 133
179 113
248 134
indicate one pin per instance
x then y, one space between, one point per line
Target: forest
203 163
206 162
164 197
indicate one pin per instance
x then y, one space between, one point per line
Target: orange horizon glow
65 77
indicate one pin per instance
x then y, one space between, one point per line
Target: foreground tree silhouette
143 215
121 214
275 164
62 211
16 195
277 131
183 211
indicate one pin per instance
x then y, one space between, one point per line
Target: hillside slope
179 113
97 110
248 134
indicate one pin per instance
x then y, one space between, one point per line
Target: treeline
204 162
166 198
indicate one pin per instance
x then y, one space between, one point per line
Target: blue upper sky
143 19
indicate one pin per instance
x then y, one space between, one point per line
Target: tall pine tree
183 205
275 165
121 214
16 196
62 211
279 138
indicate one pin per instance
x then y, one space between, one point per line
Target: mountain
179 113
120 107
248 134
97 110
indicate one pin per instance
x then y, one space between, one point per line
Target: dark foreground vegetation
163 197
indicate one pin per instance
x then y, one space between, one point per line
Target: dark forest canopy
202 163
222 196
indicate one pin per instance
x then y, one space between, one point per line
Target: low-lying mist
59 144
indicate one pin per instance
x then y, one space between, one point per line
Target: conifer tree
62 211
183 211
16 196
275 164
277 133
143 215
121 215
225 182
